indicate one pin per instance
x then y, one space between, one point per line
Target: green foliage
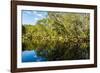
59 36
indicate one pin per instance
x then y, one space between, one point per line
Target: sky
32 16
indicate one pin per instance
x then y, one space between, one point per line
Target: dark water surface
31 56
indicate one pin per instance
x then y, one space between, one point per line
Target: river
31 56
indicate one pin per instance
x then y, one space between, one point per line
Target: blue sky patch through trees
31 17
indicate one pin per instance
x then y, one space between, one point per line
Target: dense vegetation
59 36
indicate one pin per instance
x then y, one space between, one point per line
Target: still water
31 56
